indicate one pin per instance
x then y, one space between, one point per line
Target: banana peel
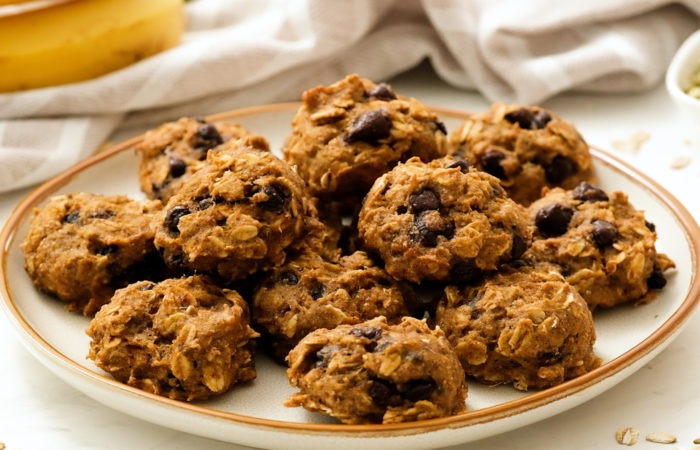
82 39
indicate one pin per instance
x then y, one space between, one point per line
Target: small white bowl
684 63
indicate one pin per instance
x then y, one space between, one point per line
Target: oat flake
632 144
661 438
627 436
680 162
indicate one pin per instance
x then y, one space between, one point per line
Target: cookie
384 373
442 221
347 134
173 151
235 216
526 147
81 247
181 338
527 327
308 293
601 244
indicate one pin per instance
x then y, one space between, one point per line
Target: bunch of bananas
65 41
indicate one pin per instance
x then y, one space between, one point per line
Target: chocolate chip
172 218
541 119
554 219
462 164
177 167
440 126
107 249
424 200
656 280
324 355
491 162
518 248
466 272
522 117
147 287
401 210
382 91
559 169
417 390
369 127
429 228
588 193
549 358
317 291
371 333
650 226
289 277
380 391
73 218
518 263
604 233
207 137
204 203
276 198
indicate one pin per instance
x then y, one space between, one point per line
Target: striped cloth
241 52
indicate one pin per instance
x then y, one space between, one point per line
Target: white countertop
39 411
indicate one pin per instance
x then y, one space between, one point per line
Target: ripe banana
81 39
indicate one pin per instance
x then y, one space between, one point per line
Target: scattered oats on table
631 144
627 436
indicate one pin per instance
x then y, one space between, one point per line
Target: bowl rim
680 61
468 418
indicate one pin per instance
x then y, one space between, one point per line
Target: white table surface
38 411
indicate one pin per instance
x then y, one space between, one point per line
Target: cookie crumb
680 162
661 438
696 441
687 142
2 446
633 143
627 436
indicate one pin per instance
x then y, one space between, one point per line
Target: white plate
252 414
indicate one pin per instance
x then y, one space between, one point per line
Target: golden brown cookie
442 221
526 147
235 216
527 327
81 247
601 244
174 150
377 373
347 134
308 293
181 338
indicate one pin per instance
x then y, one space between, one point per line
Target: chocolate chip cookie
601 244
81 247
235 216
527 327
309 292
442 221
347 134
174 150
182 338
377 373
526 147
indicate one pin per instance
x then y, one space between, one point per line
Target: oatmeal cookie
526 147
309 292
81 247
385 373
174 150
235 216
527 326
442 221
347 134
182 338
601 244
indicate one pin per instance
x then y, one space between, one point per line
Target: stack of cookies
324 257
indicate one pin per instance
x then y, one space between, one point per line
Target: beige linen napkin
246 52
